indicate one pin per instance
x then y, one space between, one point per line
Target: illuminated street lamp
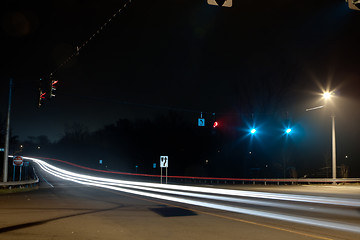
327 96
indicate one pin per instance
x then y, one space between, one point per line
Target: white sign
354 4
221 3
201 122
164 161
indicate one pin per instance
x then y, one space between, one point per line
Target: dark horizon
255 61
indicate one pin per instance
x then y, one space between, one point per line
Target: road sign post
17 162
164 162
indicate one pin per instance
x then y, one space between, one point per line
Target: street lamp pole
6 150
333 146
326 96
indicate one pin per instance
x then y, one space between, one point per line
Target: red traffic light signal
42 95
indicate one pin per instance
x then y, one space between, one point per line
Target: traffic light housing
42 93
47 90
220 3
53 86
42 97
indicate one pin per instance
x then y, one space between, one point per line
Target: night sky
258 57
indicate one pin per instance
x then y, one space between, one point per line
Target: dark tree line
225 151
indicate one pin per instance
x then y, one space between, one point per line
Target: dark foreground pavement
73 211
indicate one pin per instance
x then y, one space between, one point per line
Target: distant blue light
253 131
288 130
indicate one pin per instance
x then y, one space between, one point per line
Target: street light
327 96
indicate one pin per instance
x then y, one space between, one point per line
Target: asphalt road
61 209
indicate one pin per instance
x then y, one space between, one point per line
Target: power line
85 43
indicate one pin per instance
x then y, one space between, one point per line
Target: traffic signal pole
6 150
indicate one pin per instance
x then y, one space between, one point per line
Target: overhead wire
98 32
86 42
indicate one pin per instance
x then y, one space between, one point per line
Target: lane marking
45 179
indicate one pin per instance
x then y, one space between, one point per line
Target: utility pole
6 150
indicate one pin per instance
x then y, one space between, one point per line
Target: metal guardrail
204 180
212 180
31 182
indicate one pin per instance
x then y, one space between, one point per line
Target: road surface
62 209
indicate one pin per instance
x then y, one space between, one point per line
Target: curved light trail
204 197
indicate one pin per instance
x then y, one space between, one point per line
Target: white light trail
238 193
147 188
228 199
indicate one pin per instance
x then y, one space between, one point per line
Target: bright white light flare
327 95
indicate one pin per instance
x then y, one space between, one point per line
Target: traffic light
354 4
47 90
220 3
42 96
53 88
42 93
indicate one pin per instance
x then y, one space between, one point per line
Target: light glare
327 95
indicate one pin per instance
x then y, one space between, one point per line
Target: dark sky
256 57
